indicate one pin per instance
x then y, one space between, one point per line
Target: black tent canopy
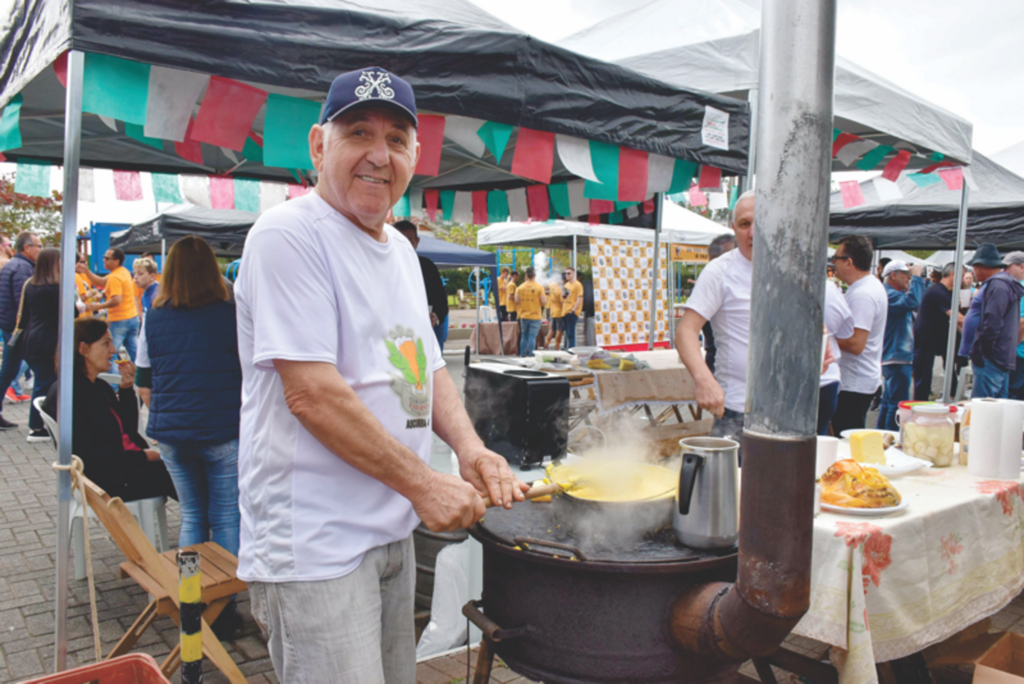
927 218
224 229
459 59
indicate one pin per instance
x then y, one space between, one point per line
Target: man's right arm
709 393
855 343
321 400
97 281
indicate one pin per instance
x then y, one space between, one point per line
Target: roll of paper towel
986 437
1010 445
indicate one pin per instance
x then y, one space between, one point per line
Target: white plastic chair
151 513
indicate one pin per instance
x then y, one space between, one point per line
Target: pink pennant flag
128 186
594 219
537 198
480 207
534 155
431 197
222 192
190 149
601 206
227 113
649 206
697 198
431 137
710 178
954 177
852 196
60 68
895 165
632 175
298 190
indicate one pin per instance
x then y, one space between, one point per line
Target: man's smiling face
365 160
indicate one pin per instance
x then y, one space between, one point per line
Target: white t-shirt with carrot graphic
314 287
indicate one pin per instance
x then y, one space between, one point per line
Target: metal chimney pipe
794 140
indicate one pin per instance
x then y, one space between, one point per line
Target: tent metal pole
574 252
670 283
747 182
72 157
652 324
476 298
163 253
958 274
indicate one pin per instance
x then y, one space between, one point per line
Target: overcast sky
967 57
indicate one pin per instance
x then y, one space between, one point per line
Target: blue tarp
448 254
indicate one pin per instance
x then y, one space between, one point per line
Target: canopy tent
224 229
1011 158
564 234
908 258
678 221
460 60
926 217
945 256
715 45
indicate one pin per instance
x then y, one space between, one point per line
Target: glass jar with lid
929 433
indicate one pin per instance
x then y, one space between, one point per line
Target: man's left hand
433 319
491 475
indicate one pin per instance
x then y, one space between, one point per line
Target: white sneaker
38 436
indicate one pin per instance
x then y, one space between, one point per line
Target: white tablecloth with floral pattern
884 588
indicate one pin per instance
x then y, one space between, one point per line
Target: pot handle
525 542
692 464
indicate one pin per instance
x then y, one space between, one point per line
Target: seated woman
116 457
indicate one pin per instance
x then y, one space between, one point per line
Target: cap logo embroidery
375 81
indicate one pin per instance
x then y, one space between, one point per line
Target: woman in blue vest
189 375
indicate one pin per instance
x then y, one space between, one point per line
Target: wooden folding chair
158 575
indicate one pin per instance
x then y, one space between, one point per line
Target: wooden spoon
536 491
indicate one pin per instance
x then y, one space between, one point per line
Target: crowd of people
884 332
525 303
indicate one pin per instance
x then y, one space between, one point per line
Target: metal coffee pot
707 510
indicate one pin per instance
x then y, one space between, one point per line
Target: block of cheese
866 447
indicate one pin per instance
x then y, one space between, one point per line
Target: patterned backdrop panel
622 291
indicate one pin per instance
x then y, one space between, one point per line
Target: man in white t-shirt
861 363
839 323
343 381
722 296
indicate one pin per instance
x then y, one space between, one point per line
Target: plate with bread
853 488
881 450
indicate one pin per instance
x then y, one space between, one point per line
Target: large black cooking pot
572 613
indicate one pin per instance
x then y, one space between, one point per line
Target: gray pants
356 629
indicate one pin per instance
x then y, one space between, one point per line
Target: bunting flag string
480 207
431 138
222 192
171 97
10 124
286 131
896 165
227 113
633 170
851 193
534 155
247 194
431 199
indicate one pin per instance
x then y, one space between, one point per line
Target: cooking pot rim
708 444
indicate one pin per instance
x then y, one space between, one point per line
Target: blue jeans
206 479
10 367
441 332
1016 390
46 375
897 388
990 381
125 332
528 331
570 329
828 399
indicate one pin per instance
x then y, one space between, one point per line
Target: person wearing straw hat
993 351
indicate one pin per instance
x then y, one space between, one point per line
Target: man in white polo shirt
722 296
343 382
861 363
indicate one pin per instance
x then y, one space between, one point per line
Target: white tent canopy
559 235
714 45
1012 158
909 258
946 256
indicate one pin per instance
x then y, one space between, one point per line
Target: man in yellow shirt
510 292
572 305
82 284
122 314
557 322
503 294
530 300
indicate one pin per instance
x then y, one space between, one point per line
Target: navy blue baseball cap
370 86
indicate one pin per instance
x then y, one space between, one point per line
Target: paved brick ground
27 585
